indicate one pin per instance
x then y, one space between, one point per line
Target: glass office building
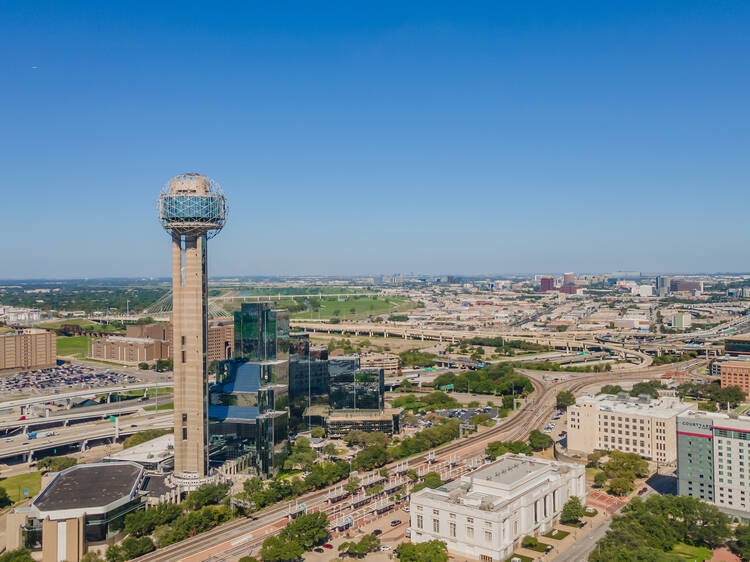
274 388
352 388
249 403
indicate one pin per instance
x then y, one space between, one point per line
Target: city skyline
428 139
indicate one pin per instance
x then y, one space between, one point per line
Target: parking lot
63 377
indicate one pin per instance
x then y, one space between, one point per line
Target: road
20 445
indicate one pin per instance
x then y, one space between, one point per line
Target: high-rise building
192 210
662 285
631 425
548 284
27 349
735 373
682 320
249 404
569 279
712 452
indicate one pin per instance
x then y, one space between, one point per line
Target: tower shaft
189 294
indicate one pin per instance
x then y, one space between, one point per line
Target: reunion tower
192 208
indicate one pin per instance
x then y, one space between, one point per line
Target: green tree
412 475
405 383
329 449
91 556
4 499
275 549
741 545
55 464
18 555
352 485
134 547
431 551
600 479
115 553
248 559
143 366
302 455
308 530
539 441
318 432
207 494
565 398
611 389
572 511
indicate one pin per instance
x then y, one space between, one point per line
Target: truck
47 434
31 435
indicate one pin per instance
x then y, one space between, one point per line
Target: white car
385 548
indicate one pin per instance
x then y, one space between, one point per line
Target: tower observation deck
192 208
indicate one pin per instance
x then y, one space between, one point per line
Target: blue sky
378 137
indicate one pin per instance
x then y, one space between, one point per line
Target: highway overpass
82 437
68 397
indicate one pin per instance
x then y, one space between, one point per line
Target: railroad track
530 416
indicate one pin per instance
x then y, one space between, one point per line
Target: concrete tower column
190 378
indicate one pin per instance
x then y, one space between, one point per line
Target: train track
531 416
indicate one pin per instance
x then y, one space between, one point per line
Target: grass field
15 485
353 308
73 346
167 406
696 553
556 534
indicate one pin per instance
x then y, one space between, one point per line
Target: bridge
68 397
113 432
569 343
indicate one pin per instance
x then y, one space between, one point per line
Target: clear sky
377 137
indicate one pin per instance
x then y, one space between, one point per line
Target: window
419 521
488 536
436 525
470 532
184 418
184 433
452 529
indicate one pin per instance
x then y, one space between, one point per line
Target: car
327 545
377 532
318 549
385 548
642 491
395 522
406 508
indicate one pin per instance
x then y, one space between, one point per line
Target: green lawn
521 557
352 308
15 485
696 553
556 534
75 346
167 406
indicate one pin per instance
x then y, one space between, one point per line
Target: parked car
318 550
385 548
395 522
377 532
329 546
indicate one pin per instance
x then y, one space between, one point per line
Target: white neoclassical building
486 513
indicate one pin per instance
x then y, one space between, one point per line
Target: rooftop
151 451
89 485
662 407
385 414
